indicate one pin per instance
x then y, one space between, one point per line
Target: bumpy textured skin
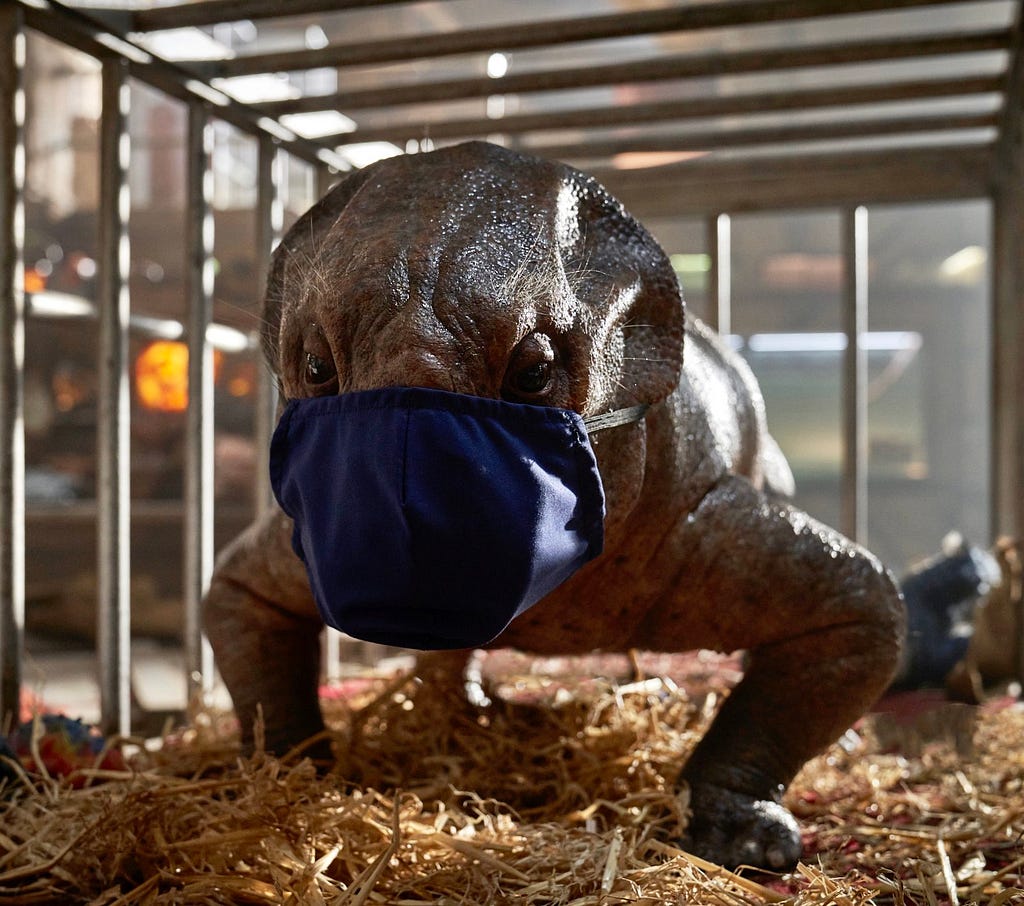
430 270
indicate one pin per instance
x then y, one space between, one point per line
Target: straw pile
560 794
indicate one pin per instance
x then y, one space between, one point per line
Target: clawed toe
732 829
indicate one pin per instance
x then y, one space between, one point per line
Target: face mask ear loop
615 418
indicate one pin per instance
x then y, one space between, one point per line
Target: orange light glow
35 282
161 375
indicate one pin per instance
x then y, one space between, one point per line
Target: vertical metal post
269 227
854 496
113 630
12 355
719 239
199 417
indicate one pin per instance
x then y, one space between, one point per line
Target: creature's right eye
319 373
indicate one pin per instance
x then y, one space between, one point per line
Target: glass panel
63 96
929 401
235 332
787 274
685 241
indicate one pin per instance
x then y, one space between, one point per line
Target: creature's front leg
265 632
822 624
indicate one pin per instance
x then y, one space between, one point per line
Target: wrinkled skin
462 270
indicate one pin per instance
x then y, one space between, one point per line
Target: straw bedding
560 792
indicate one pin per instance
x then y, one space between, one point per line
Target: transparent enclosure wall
62 342
928 358
929 406
787 277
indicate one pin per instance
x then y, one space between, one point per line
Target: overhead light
255 89
49 304
183 44
316 38
362 154
275 129
229 339
318 123
207 93
125 48
497 65
873 341
639 160
965 266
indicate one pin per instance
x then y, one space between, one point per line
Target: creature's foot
732 829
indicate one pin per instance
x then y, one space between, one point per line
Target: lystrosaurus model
459 336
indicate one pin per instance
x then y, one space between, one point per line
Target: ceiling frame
670 111
687 18
656 69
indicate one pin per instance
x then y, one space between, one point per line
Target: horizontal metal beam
705 186
666 111
744 138
209 12
78 30
704 65
698 16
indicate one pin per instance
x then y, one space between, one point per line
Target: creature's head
478 270
481 271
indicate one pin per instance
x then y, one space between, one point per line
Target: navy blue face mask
429 519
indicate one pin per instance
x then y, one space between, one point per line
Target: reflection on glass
929 275
786 291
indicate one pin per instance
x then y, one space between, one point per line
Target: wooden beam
549 33
1007 467
667 111
658 69
708 186
209 12
1013 107
742 138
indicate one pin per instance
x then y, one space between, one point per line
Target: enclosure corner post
113 426
12 345
853 513
199 471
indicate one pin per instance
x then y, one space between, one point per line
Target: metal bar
113 630
209 12
76 29
731 105
199 417
744 138
854 494
269 227
684 18
12 357
719 236
657 69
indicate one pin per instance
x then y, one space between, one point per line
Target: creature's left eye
532 380
531 370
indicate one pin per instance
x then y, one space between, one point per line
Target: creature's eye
317 370
531 370
319 373
532 380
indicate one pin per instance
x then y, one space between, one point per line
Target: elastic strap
615 418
